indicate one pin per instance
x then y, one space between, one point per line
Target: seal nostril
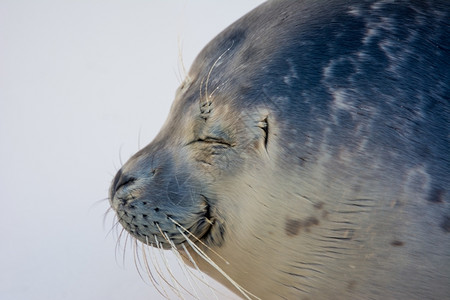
121 180
116 180
156 209
155 171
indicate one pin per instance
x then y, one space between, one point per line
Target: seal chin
143 213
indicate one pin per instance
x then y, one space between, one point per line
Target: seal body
309 147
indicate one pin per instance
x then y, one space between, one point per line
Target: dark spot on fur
325 214
293 227
436 195
311 221
397 243
445 225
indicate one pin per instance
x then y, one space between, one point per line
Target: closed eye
212 140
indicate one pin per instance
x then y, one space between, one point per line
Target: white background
83 83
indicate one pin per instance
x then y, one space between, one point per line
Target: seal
307 155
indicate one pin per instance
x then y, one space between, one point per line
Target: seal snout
158 202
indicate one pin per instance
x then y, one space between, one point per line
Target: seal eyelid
212 140
215 141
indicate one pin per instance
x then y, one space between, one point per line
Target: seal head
309 148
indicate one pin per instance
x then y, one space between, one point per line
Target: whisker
136 259
184 270
175 282
158 268
173 247
120 156
182 72
99 202
162 233
105 215
149 271
203 255
118 245
212 68
139 138
114 225
125 247
203 279
220 85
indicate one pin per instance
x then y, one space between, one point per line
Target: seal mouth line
183 230
206 221
208 217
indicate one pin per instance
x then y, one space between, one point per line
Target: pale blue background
81 82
